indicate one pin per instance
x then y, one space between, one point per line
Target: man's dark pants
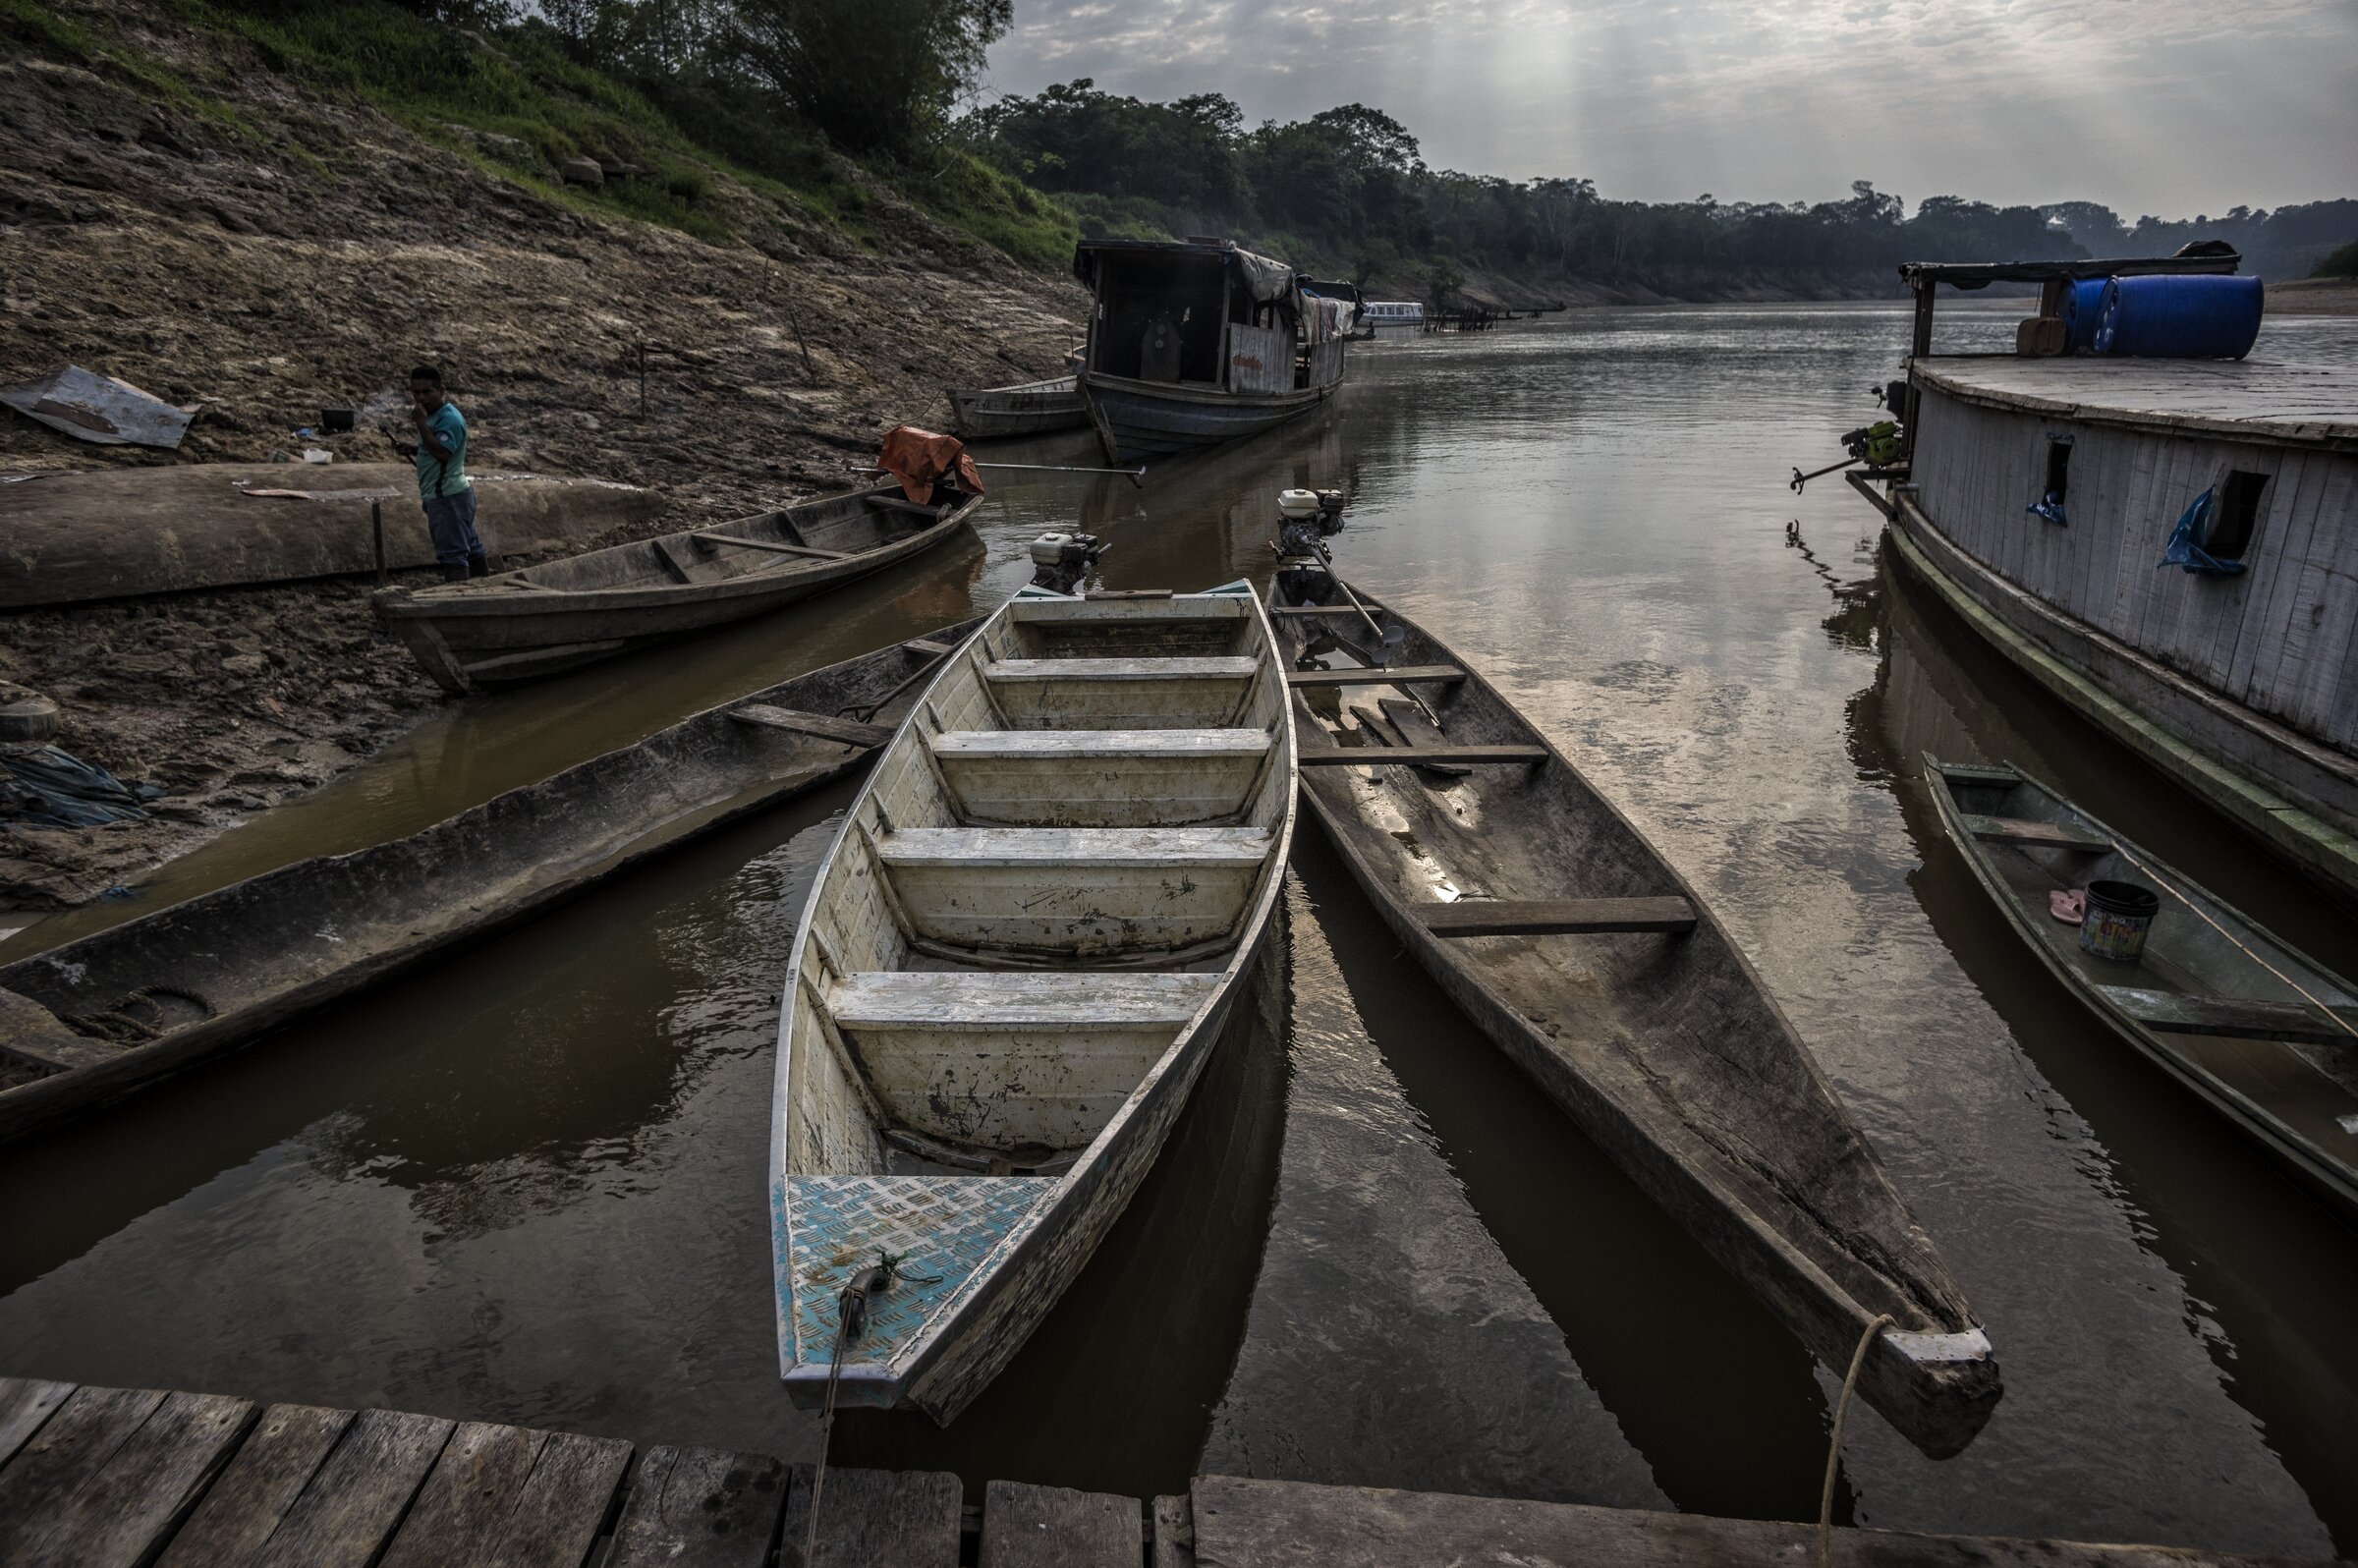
450 519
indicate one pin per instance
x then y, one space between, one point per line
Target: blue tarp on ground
46 788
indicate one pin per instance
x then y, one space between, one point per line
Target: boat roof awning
1981 274
1267 277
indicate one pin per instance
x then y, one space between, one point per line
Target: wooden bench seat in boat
2178 1013
1074 892
1183 693
1101 778
2034 835
1555 916
1417 756
1370 675
1006 1060
850 732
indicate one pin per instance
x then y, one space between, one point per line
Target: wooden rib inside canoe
2224 1005
523 625
1557 917
1010 970
849 731
1565 937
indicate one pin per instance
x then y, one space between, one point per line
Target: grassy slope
517 106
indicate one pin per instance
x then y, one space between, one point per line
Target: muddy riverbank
291 252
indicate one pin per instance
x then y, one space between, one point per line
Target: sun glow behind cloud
2167 106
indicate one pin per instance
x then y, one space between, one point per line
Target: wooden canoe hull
323 928
1149 419
1035 408
522 625
2257 1084
974 1096
1827 1251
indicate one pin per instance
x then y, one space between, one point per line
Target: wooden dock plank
849 731
2176 1013
511 1496
25 1404
700 1508
1276 1524
125 1509
2034 835
254 1493
1174 1542
54 1464
1056 1527
565 1504
1416 756
357 1497
876 1519
1557 917
1364 675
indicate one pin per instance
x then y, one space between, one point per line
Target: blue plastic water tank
2083 307
2202 317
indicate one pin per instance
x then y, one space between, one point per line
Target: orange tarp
919 459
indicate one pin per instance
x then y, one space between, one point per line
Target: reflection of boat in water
1557 927
2262 1034
1008 977
2166 544
1027 408
1196 343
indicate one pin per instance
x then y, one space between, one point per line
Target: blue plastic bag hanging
2048 506
2187 539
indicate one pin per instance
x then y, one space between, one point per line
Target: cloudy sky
2167 106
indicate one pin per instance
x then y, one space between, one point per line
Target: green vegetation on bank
519 95
1347 189
2342 264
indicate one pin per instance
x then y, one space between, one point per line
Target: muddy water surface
525 1184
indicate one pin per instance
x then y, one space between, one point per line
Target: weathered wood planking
1555 916
111 1472
701 1508
1279 1524
2274 638
1058 1526
276 1462
513 1497
874 1519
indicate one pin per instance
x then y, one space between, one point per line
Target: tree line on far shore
1349 187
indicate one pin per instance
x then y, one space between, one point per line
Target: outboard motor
1059 561
1303 574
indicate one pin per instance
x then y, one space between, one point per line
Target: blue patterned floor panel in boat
940 1227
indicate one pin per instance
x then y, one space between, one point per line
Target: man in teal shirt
440 451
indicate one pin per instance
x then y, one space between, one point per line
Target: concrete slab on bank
70 537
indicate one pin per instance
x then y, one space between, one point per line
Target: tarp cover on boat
919 458
90 406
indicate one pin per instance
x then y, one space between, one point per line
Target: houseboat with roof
2168 545
1196 342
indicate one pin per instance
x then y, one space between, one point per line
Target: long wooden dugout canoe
1591 963
519 626
2267 1037
119 1009
1010 972
1029 407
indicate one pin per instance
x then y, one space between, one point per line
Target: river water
525 1184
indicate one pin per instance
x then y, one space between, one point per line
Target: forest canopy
1350 186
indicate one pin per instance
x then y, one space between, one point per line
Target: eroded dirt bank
296 253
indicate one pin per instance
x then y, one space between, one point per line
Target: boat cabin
1207 313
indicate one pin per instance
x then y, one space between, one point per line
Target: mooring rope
851 1321
1833 1445
2126 853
